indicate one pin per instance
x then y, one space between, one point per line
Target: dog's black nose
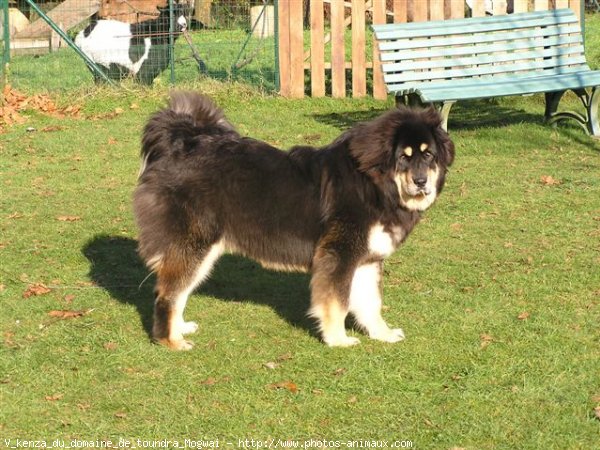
420 181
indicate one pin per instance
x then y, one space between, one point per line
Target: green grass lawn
497 290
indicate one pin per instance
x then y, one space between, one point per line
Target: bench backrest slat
487 69
441 63
470 50
470 40
472 24
459 49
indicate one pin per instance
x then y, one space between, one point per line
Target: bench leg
589 122
444 110
552 101
592 111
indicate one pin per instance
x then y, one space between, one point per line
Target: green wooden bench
441 62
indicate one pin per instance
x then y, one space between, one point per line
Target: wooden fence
303 52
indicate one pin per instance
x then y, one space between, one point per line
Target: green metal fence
57 46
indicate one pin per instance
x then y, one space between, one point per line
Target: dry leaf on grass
15 102
53 398
486 340
548 180
523 316
597 412
68 218
36 289
288 385
68 314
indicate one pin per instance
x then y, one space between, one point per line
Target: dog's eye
428 156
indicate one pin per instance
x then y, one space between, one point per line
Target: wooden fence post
284 47
317 49
359 72
338 50
379 90
296 50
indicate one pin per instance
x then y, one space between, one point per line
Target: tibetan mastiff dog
336 211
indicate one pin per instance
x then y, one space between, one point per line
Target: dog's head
410 147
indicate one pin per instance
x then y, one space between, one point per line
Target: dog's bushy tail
187 115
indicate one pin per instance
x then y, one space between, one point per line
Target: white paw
188 327
342 341
389 335
176 344
183 344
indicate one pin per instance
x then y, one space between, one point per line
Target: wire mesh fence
69 44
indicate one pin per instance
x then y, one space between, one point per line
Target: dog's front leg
366 303
330 290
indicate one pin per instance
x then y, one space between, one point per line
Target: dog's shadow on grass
116 267
467 115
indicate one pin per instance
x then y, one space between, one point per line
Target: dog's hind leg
179 273
330 287
366 303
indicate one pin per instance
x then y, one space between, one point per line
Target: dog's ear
445 145
372 143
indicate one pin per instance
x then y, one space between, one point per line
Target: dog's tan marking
283 267
424 146
332 316
408 151
155 262
174 299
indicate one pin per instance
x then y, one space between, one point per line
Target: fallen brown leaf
597 412
486 340
549 180
290 386
68 218
121 415
35 290
53 398
340 371
270 365
284 357
66 314
52 128
524 315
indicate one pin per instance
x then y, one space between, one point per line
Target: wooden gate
338 61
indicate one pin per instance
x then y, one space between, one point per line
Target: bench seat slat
555 53
547 36
487 89
491 79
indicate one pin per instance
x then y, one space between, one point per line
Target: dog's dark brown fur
337 211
